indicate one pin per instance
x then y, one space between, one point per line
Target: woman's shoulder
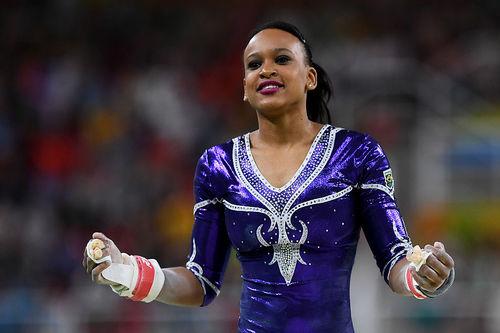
221 155
217 162
355 138
222 150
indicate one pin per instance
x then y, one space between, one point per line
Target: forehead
271 39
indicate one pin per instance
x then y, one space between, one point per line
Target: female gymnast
291 198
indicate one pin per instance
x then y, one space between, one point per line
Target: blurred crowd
105 107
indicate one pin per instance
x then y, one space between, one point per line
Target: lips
269 87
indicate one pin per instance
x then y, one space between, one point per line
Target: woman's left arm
386 233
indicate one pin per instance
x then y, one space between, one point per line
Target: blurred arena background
105 107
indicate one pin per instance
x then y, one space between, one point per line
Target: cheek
298 85
297 78
249 85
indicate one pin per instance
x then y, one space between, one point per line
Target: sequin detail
380 187
204 203
279 201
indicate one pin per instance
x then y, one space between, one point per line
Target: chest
278 166
310 217
312 205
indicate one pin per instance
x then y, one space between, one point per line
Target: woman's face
276 74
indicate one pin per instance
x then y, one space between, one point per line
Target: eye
254 64
282 59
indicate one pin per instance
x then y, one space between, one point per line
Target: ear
312 78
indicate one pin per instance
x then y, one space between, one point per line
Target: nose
267 70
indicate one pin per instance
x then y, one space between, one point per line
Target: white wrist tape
139 279
142 280
123 274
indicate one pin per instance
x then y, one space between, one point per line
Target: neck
287 129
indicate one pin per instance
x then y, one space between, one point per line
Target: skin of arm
397 278
181 288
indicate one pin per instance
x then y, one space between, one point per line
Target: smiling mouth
269 87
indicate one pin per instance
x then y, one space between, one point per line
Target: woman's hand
96 269
436 269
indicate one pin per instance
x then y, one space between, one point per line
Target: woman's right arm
181 287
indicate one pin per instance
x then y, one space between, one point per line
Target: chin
275 107
270 105
270 109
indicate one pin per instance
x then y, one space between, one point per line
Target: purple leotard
296 244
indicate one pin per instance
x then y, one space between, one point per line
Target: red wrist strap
410 282
145 278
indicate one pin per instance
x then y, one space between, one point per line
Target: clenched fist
106 248
436 270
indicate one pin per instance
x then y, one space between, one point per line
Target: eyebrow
278 49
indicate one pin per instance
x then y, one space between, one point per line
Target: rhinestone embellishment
279 201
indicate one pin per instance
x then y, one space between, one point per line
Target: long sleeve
210 243
382 223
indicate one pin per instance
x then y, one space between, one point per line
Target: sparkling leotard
297 243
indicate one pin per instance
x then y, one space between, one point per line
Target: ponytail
317 99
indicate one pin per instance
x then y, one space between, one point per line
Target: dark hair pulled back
317 99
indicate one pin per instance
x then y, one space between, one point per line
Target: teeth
270 87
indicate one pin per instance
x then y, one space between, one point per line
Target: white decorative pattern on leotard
378 187
198 272
204 203
278 201
318 201
399 250
297 173
239 208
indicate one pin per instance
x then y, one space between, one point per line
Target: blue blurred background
105 107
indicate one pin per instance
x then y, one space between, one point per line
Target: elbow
208 296
207 299
208 290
